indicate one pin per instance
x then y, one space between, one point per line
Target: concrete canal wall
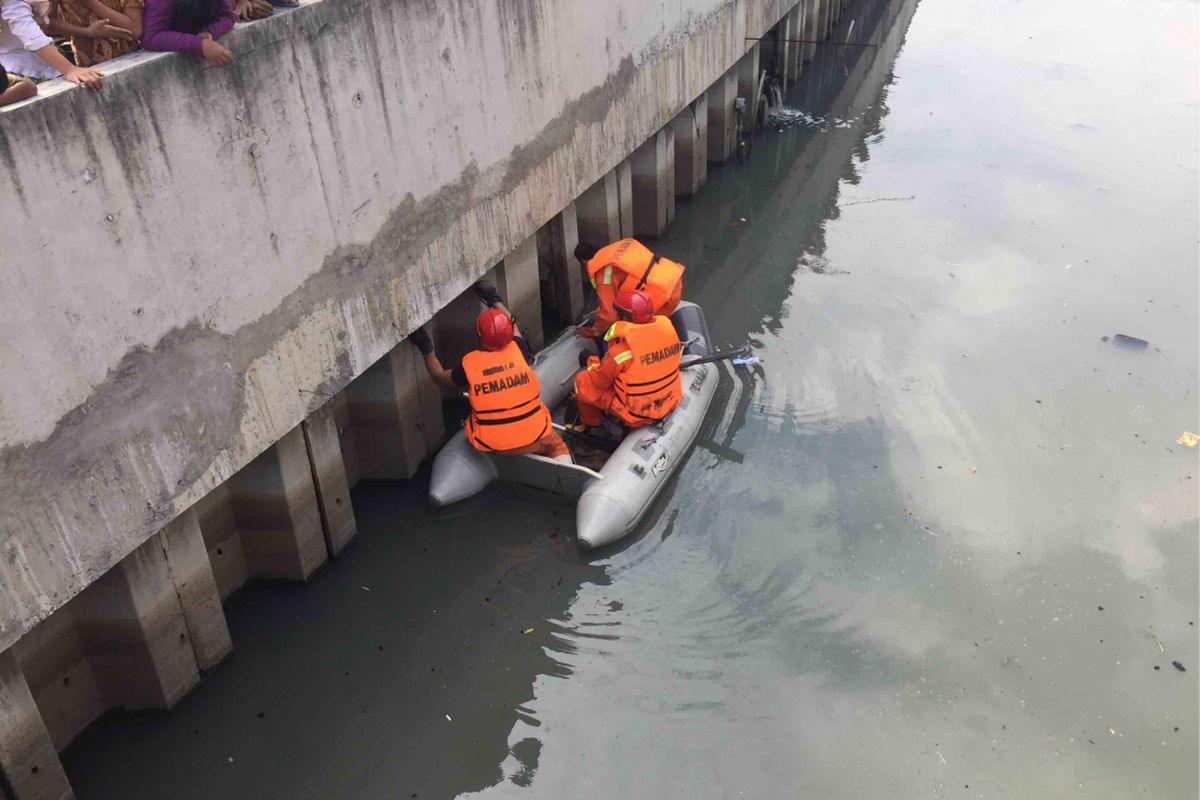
208 276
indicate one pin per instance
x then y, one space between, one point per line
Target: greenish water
881 571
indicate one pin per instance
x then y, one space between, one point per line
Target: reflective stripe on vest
506 404
649 386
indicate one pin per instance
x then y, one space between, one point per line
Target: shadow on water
398 671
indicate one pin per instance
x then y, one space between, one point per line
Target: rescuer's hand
216 54
585 332
420 339
486 291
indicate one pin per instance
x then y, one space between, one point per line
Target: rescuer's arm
441 376
485 290
504 310
604 321
602 372
606 295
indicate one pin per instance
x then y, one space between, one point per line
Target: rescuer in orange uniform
638 379
628 266
507 413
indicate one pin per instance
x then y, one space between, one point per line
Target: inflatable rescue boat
613 499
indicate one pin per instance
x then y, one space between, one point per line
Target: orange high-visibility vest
656 276
649 385
506 404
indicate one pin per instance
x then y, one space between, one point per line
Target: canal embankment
209 354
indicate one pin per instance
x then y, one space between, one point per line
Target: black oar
584 436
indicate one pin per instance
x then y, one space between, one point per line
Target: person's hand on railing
83 76
252 9
214 53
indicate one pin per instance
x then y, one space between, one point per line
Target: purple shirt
157 33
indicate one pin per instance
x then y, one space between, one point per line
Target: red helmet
494 329
637 305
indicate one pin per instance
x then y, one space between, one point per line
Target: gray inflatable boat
613 500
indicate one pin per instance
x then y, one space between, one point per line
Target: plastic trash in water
745 360
1188 439
1130 341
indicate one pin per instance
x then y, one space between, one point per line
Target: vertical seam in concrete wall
312 468
162 545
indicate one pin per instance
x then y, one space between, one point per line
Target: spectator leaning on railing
99 29
189 26
104 29
25 50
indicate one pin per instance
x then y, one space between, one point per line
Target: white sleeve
18 16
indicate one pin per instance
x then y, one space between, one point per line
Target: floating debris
1131 342
1188 439
527 631
818 265
783 118
884 200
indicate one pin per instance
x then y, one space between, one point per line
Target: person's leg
589 414
20 89
551 445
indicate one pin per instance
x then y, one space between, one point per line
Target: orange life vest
656 276
506 404
649 386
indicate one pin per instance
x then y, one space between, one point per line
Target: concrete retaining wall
195 259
